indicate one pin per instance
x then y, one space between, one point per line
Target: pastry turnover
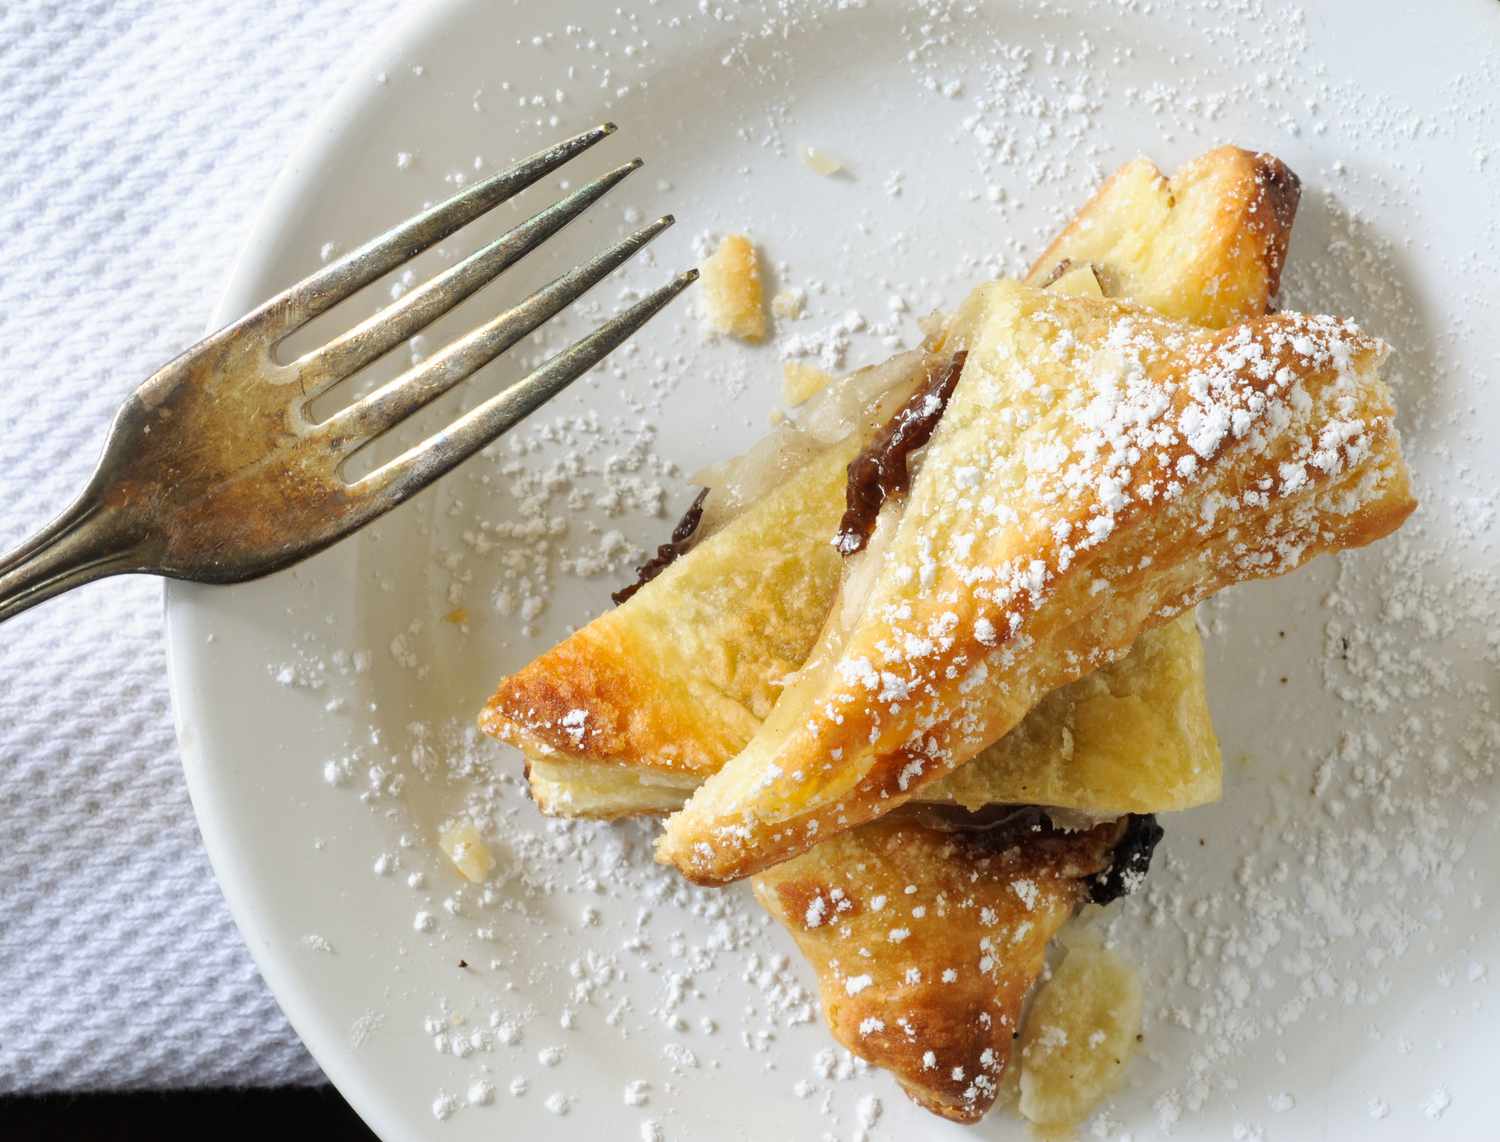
1098 470
1136 737
1098 743
927 938
952 1040
632 712
1206 246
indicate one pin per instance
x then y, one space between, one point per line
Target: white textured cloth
137 139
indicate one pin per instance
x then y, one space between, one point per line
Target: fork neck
88 541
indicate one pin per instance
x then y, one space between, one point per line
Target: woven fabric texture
137 139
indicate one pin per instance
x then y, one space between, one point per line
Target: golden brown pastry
1080 1032
1134 737
1097 471
1214 236
927 937
632 712
1098 745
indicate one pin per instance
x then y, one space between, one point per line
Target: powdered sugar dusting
1341 866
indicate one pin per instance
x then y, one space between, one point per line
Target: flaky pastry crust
1098 471
926 943
629 714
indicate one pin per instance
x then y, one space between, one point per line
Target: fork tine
327 287
322 368
414 469
353 427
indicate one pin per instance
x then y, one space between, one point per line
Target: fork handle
88 541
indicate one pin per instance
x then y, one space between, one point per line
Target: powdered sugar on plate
1336 892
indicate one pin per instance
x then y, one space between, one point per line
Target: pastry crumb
788 304
468 852
1079 1034
732 292
821 162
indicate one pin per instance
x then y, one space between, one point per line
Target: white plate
1323 965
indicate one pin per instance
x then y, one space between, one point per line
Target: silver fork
214 470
